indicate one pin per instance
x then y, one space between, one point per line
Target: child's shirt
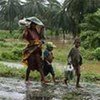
75 56
48 56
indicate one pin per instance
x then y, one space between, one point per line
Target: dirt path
16 89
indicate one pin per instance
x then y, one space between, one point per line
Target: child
75 59
48 58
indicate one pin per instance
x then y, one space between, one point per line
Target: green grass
15 72
6 35
20 73
11 50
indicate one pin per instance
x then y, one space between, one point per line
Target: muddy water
20 65
16 89
12 64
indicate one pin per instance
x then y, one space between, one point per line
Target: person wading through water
75 59
33 52
47 62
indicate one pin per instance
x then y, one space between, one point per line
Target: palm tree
10 9
34 8
53 7
76 9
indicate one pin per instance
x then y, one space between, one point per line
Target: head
40 29
50 46
77 42
33 25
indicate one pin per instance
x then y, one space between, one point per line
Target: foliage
6 35
15 72
90 34
13 50
87 54
90 77
61 18
96 53
9 11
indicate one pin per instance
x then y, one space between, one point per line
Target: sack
70 67
69 72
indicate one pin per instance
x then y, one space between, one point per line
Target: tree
10 9
34 8
76 9
90 34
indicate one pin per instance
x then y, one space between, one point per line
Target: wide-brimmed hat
50 45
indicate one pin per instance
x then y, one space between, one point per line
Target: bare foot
79 86
44 81
28 82
65 81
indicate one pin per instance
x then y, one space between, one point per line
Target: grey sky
61 1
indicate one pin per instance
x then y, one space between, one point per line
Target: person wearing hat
48 58
75 59
33 51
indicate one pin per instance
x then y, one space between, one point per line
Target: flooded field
16 89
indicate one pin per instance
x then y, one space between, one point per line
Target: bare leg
42 75
78 80
27 74
65 81
53 78
39 62
78 76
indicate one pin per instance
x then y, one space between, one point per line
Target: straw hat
50 45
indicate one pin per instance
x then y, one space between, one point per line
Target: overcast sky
58 0
61 1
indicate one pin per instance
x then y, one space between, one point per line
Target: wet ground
16 89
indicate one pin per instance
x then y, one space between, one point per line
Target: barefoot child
48 58
75 59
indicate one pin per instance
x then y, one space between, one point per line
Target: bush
96 53
6 35
15 54
87 54
90 30
91 77
6 55
90 39
5 44
15 72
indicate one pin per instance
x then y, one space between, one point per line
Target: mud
16 89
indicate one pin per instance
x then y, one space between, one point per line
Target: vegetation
71 18
91 30
74 17
61 18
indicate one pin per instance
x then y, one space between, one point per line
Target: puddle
16 89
